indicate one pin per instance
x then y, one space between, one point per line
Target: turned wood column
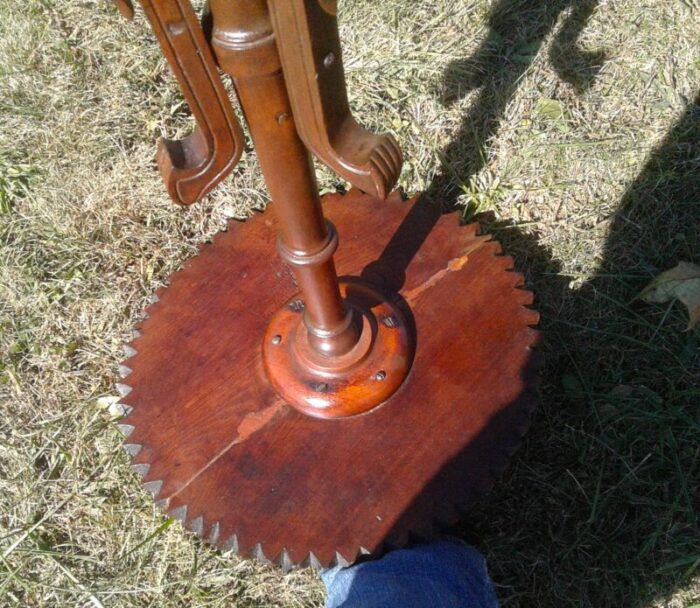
244 45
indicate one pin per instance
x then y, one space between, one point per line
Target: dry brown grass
564 125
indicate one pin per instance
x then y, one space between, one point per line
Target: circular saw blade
219 450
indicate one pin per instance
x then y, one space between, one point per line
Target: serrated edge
528 401
141 469
284 561
132 449
259 554
179 513
123 389
197 526
125 429
153 487
214 533
231 544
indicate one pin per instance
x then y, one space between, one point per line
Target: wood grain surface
220 450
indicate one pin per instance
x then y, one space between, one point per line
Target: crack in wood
252 423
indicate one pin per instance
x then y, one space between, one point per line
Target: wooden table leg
309 365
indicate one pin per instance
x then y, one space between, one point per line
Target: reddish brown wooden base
349 385
220 450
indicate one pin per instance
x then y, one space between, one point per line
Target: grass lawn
572 128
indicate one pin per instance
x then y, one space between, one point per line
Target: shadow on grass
517 29
600 507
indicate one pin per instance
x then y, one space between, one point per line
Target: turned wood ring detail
300 258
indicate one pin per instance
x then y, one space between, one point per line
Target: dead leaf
552 109
680 283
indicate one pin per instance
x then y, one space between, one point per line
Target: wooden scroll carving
309 48
193 166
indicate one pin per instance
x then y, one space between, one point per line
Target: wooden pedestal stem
245 48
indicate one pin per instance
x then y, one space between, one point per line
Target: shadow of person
577 67
517 29
600 506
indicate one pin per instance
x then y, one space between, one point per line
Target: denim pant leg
442 574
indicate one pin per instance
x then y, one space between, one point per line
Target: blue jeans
442 574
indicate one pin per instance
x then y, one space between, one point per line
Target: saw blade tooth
507 261
259 554
131 448
231 545
123 389
135 333
285 562
123 370
180 513
525 297
339 560
125 409
313 562
153 487
129 351
125 429
518 280
163 503
197 525
214 533
532 317
495 247
141 468
153 298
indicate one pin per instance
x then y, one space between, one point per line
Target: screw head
322 387
276 339
390 321
328 60
296 305
380 375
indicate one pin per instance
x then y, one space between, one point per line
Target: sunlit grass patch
568 128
